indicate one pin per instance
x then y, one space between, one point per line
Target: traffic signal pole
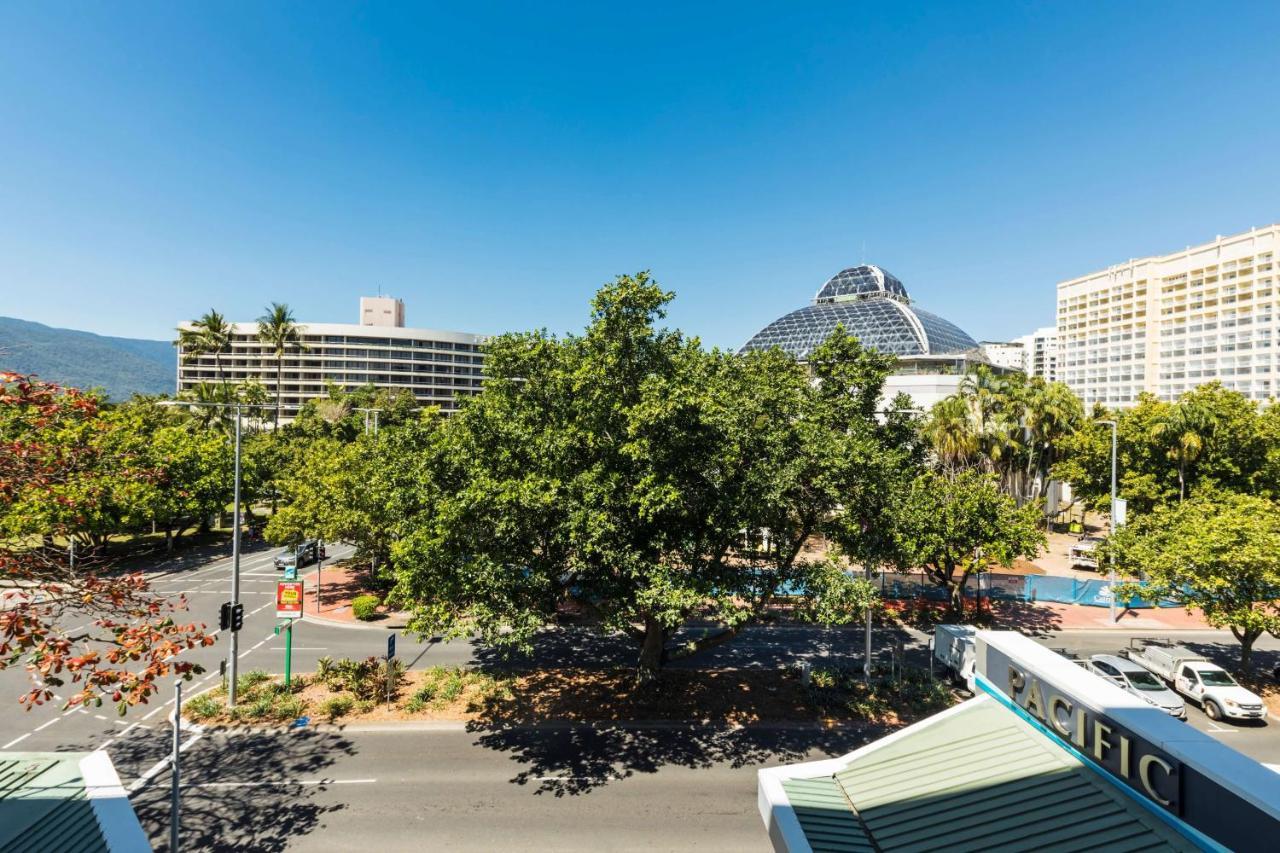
232 653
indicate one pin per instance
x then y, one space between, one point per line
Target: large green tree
1216 552
953 526
1210 438
637 476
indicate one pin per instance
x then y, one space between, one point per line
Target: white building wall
1166 324
1011 355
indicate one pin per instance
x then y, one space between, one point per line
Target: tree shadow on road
577 759
228 802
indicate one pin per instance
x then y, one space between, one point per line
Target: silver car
1134 679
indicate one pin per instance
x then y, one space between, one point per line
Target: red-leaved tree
95 630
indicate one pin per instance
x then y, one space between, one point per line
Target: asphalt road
597 788
575 789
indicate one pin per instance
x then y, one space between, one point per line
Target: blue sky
494 164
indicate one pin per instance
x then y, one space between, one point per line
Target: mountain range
121 367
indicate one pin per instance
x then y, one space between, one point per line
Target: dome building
873 305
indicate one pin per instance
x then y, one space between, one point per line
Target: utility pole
1112 560
176 803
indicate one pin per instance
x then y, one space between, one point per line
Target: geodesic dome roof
872 305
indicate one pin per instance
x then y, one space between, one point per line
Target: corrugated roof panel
982 779
43 805
823 811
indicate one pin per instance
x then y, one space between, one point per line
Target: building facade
1166 324
1035 354
1006 354
439 368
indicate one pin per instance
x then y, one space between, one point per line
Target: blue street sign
291 572
391 646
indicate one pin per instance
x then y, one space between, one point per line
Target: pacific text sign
289 600
1126 755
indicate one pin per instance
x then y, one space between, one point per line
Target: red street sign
289 600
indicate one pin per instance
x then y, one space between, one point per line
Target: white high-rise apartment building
1035 354
1040 353
1169 323
439 368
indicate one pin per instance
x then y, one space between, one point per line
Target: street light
366 411
1112 556
232 655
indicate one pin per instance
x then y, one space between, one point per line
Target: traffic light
237 617
224 616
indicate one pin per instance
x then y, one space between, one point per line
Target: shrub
336 706
203 707
364 706
365 679
365 607
246 683
290 708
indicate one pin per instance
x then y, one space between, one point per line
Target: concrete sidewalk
1076 617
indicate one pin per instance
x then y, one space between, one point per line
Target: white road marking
46 725
18 739
281 783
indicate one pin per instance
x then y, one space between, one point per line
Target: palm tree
1185 430
949 432
278 329
209 406
211 334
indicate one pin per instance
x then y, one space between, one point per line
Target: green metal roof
979 779
44 805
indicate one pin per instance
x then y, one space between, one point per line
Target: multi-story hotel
1035 354
1166 324
439 368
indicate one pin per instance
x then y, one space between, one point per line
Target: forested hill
119 366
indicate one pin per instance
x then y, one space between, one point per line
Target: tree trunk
649 666
168 540
1247 639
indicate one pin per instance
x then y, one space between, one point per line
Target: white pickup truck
1197 679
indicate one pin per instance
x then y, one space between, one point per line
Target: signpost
288 608
391 656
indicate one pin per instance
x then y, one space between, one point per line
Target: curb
546 725
358 626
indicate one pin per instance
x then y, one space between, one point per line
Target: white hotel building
439 368
1168 323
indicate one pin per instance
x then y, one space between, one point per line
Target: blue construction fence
1000 586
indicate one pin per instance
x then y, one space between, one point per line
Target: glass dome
860 281
872 305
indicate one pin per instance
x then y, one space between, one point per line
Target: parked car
1085 552
1132 678
304 554
1196 678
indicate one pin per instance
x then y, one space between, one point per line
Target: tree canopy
68 471
1216 552
633 475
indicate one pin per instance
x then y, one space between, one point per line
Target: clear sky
493 164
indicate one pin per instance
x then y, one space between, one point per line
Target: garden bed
738 697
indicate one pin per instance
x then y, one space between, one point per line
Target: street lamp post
234 647
1112 557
